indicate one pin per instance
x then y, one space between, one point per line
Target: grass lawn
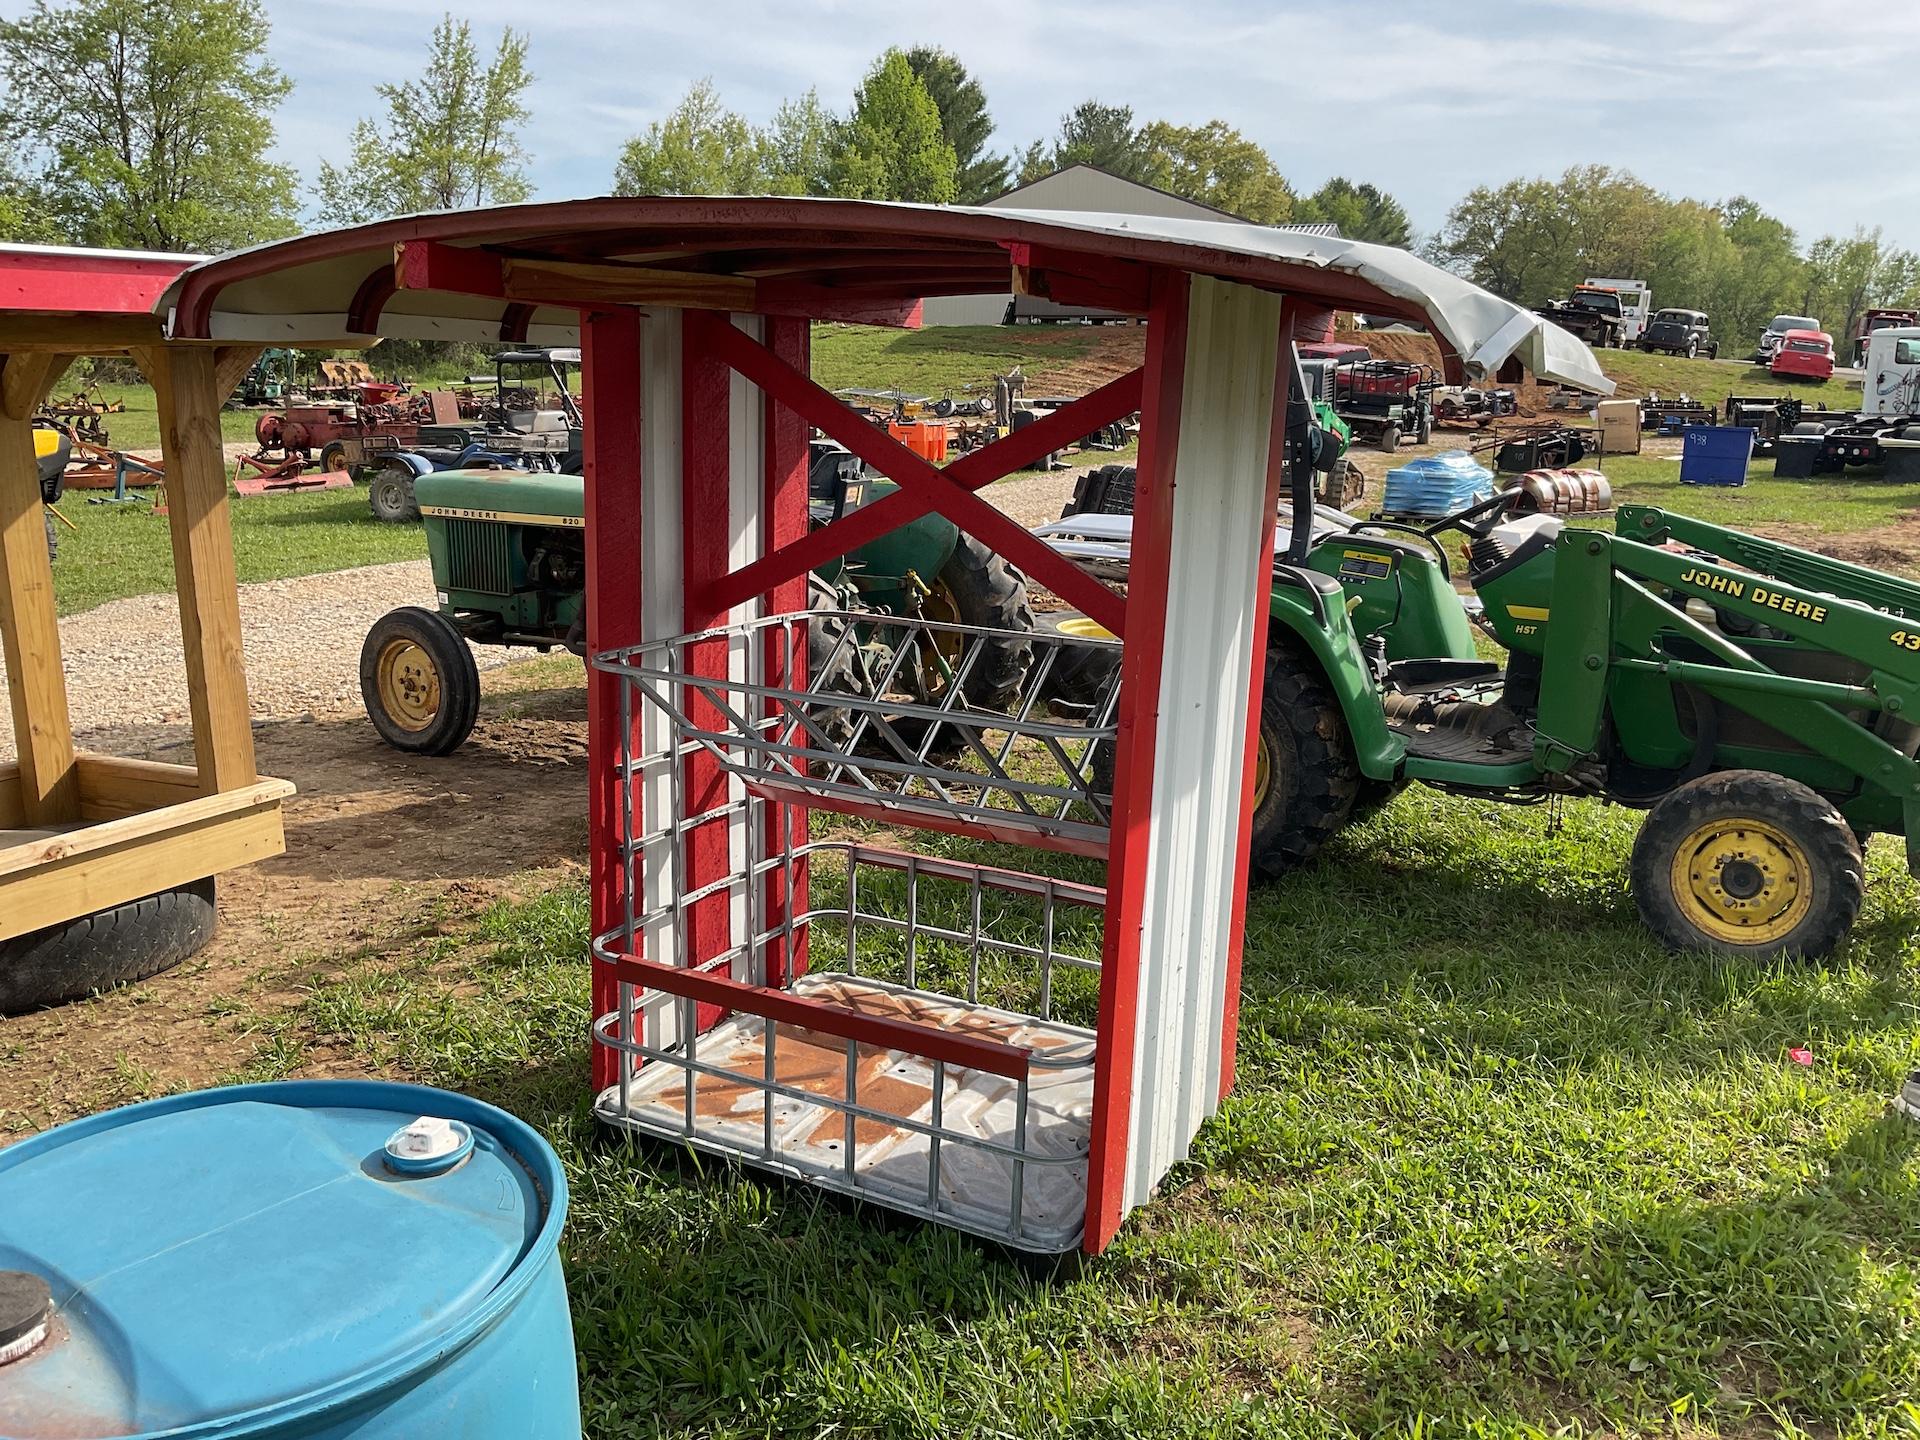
1857 501
936 361
122 550
1496 1166
1710 381
137 428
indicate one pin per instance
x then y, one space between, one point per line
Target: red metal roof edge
65 280
824 222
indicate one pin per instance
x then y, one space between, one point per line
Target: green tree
1845 278
1216 165
1516 239
23 217
450 138
1363 212
800 147
979 175
702 148
146 125
1093 134
892 146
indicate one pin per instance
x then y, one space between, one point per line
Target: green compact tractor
509 568
1757 700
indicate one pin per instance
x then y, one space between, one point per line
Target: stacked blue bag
1437 485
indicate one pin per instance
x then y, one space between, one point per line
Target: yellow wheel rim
1262 772
336 462
1742 881
409 685
1082 627
940 650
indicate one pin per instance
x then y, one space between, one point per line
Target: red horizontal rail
890 812
785 1008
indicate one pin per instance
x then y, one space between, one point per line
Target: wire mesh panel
945 1070
890 723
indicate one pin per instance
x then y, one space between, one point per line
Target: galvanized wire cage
888 722
941 1067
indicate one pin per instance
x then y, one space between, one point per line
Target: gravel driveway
126 681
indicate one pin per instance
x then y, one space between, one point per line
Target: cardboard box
1619 426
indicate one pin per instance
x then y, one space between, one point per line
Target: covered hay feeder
106 864
1021 1056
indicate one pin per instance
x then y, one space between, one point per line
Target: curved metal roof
339 286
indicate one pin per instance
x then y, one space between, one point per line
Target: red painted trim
431 265
610 350
721 993
1112 401
889 813
1266 542
784 516
363 312
706 528
1140 668
69 281
1053 273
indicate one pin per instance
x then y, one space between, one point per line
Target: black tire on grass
107 948
1313 778
986 591
1815 896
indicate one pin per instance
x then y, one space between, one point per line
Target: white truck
1636 304
1892 384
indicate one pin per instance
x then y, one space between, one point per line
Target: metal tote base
933 1140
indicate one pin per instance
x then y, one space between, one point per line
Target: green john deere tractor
509 567
1758 701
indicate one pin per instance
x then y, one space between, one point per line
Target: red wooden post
706 526
610 358
1140 669
785 520
1267 542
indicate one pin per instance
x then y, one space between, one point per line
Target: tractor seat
1439 674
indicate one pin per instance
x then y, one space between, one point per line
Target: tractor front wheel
1305 778
390 494
419 682
1748 863
333 458
978 587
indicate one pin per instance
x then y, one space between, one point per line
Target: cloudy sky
1800 105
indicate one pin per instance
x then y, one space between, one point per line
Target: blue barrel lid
229 1258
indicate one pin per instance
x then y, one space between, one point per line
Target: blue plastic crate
1715 454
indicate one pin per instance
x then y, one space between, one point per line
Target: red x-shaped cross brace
923 487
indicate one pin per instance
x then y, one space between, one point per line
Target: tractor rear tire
419 681
1389 440
390 495
832 668
1311 778
1748 863
107 948
986 591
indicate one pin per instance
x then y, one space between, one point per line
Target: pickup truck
1595 315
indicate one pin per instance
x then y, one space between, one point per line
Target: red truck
1804 355
1879 320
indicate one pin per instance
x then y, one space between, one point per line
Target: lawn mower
508 553
1752 697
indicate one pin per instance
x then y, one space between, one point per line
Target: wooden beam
29 621
22 332
203 570
230 366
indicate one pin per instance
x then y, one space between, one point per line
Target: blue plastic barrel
1715 454
281 1260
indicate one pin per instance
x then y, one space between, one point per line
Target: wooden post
183 379
29 622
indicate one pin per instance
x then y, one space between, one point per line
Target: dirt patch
381 847
1116 350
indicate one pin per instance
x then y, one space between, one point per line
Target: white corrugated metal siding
1213 584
